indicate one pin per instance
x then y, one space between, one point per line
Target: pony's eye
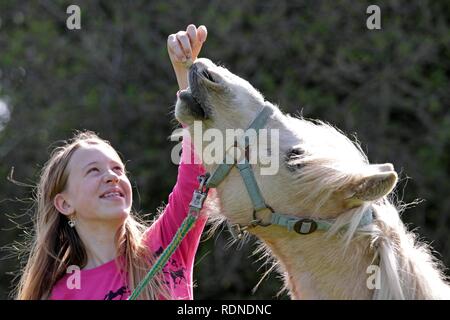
294 153
293 159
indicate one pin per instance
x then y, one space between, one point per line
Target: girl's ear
62 205
371 187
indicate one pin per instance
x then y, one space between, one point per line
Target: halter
300 225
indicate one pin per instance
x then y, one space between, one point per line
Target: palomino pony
324 216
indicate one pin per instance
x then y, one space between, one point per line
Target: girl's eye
120 169
92 169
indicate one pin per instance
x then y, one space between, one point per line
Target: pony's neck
315 267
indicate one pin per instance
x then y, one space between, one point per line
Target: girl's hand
183 48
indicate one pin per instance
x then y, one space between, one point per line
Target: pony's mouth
196 103
194 97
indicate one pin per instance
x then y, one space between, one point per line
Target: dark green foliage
113 76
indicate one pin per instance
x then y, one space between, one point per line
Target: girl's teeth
112 195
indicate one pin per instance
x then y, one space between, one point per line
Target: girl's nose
110 176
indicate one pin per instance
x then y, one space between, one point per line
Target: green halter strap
300 225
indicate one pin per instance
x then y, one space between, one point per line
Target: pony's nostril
207 75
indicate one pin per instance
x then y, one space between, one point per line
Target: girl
87 242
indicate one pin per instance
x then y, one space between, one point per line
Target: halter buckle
237 232
199 195
197 199
203 180
305 226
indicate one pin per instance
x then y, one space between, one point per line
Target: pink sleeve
164 228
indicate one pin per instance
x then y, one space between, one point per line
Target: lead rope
198 198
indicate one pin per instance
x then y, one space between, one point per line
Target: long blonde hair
55 245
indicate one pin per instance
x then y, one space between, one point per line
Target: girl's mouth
112 196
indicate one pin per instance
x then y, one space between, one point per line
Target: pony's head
320 172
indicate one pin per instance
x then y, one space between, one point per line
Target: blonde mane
407 267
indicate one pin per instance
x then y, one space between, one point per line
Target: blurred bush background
390 86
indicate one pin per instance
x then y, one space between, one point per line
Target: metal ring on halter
258 222
305 226
203 179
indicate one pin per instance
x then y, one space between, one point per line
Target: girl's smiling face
97 186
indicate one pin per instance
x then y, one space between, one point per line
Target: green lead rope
195 206
187 224
198 197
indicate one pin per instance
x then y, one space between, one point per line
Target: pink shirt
106 282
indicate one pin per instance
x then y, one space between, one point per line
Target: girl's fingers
202 33
186 45
183 39
197 37
192 33
174 47
201 38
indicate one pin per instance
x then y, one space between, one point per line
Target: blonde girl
87 244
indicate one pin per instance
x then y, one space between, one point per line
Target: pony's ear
372 186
